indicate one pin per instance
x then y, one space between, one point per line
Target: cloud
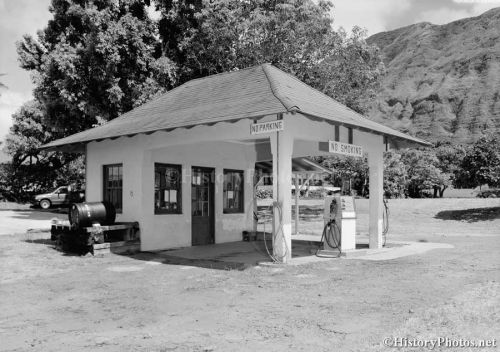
447 15
441 16
482 7
24 16
438 11
367 14
18 17
10 102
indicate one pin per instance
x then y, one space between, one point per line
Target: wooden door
202 206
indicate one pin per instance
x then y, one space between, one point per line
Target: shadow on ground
38 214
470 215
200 263
223 256
45 241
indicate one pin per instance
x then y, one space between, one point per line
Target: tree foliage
395 175
93 61
32 170
347 169
481 164
423 172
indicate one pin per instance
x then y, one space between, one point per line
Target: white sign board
267 127
345 149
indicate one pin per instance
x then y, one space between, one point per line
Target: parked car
61 196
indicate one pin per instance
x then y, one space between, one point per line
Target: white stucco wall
163 231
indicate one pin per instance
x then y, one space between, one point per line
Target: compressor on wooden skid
83 216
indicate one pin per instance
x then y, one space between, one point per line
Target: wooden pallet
119 247
120 237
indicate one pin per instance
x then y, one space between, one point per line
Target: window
168 189
62 190
113 185
233 191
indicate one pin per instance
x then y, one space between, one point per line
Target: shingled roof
248 93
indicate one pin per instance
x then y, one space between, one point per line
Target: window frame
241 208
106 190
160 211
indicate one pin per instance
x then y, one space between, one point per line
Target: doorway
202 206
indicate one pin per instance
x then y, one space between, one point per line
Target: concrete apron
393 250
241 255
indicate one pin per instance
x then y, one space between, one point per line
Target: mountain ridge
442 81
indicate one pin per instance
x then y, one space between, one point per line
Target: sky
19 17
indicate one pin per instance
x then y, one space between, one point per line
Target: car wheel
45 204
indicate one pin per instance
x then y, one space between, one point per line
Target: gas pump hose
331 235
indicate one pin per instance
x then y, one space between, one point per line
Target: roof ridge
224 73
275 90
324 94
320 92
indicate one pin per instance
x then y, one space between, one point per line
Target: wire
385 221
275 236
278 231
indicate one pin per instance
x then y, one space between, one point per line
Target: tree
31 170
450 158
351 169
395 175
481 164
423 172
178 23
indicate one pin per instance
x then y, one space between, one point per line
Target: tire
45 204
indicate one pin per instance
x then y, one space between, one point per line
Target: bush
489 193
264 192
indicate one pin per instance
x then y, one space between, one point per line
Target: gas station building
182 165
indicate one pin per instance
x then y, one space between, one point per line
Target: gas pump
339 232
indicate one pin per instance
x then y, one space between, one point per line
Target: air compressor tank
85 214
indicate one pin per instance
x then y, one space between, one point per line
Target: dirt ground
55 302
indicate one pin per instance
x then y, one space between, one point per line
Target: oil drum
84 214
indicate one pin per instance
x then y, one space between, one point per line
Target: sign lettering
267 127
345 149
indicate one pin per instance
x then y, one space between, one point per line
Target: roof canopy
249 93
